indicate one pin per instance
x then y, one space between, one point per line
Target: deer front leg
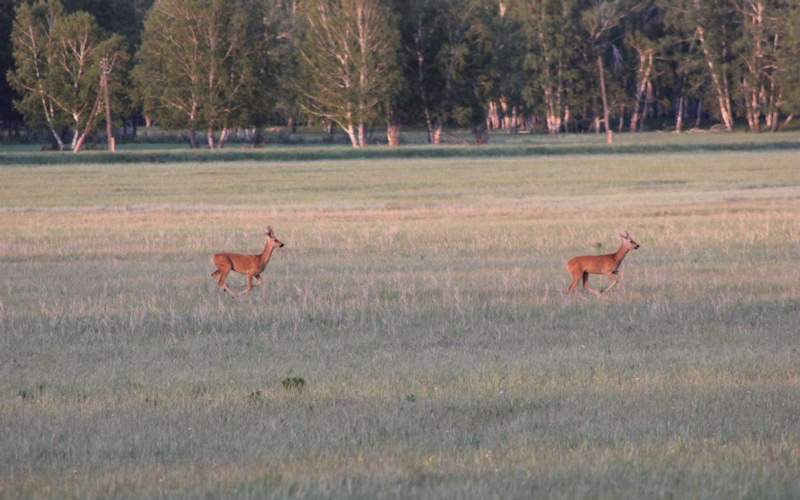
249 286
615 277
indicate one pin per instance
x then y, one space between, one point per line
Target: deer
607 265
250 265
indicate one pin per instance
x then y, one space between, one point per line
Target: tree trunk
351 133
552 111
210 138
436 133
493 116
421 85
79 141
48 117
46 106
291 125
643 76
192 137
362 135
753 87
720 83
774 94
649 108
679 115
601 73
57 138
509 119
223 136
393 134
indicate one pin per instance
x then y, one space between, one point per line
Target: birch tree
348 57
81 63
550 62
442 70
498 50
202 64
787 63
30 39
599 21
58 66
761 36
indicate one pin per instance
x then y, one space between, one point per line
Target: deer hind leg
223 275
576 277
574 284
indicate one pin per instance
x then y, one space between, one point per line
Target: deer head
271 238
628 241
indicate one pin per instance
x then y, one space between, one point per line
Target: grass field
422 302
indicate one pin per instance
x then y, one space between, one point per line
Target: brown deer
250 265
607 265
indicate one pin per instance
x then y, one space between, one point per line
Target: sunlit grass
423 305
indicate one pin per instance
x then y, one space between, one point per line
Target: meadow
421 301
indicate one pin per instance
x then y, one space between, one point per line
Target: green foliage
213 65
31 40
6 60
348 62
788 60
57 66
204 63
296 384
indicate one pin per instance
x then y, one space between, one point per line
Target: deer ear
268 231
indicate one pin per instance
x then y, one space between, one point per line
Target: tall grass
422 303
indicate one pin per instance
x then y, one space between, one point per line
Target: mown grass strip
409 152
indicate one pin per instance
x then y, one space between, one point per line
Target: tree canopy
535 65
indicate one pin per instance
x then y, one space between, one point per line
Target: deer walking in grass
607 265
250 265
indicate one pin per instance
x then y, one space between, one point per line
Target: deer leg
249 286
616 278
573 285
586 285
223 275
576 277
258 281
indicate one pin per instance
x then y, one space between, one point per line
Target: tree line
211 67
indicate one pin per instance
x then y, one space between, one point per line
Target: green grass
503 145
421 301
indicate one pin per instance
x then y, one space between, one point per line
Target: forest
76 70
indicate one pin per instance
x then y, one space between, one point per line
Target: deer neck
266 253
620 254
